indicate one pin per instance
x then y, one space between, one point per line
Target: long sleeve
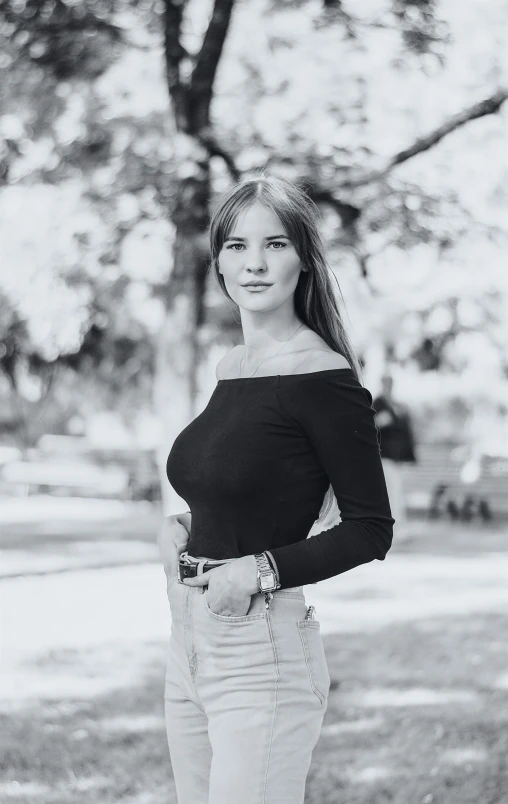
336 415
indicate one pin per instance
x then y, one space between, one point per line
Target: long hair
314 298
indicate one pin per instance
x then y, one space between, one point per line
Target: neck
267 330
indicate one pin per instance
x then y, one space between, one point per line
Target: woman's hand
230 586
172 540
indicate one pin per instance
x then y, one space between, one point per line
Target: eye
240 246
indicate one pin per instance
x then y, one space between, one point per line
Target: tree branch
347 213
203 75
206 138
87 24
174 52
488 106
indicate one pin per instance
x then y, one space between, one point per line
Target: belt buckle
191 571
186 562
193 564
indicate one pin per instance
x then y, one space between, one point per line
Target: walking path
87 631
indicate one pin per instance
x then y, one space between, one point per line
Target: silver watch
267 582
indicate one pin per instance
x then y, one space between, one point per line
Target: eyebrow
271 237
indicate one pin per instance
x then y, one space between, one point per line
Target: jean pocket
315 657
225 618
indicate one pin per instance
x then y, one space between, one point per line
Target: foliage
327 92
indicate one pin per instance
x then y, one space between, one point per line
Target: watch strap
273 565
265 569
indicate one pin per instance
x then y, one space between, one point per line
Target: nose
255 260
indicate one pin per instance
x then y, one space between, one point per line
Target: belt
189 566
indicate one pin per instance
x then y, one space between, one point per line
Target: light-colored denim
245 698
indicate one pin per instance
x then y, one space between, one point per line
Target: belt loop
199 571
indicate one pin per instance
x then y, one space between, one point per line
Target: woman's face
258 249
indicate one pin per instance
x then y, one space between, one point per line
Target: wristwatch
267 581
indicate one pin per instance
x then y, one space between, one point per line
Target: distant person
247 680
397 446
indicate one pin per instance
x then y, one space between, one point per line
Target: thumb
198 580
181 546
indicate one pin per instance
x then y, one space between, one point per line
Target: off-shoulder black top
255 464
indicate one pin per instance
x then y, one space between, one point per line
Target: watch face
267 581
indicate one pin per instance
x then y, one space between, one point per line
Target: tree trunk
178 357
178 352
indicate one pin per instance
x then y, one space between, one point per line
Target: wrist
273 565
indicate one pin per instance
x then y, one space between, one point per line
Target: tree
292 119
352 191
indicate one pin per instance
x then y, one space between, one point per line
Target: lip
257 285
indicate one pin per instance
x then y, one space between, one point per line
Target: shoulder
324 397
323 359
226 363
320 359
312 353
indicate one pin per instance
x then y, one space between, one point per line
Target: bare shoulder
323 360
316 355
223 369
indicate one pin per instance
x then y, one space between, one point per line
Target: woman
288 429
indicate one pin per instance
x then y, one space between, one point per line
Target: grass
418 713
408 748
108 749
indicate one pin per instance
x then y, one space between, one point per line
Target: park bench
61 463
84 478
435 486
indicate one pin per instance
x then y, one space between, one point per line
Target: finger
198 580
180 548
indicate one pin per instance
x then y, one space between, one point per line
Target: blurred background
121 121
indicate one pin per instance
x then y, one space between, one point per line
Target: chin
258 305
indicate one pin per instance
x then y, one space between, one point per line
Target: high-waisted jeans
245 698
